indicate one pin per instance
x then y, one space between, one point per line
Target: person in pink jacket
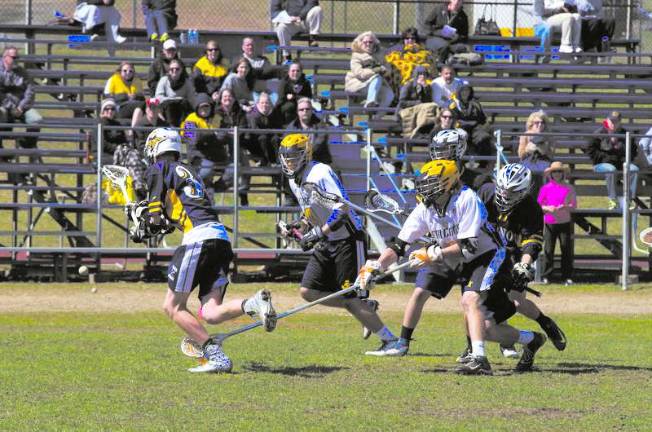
557 198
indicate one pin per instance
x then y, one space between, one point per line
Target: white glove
368 271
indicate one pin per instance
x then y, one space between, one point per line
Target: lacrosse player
334 233
177 199
518 219
466 247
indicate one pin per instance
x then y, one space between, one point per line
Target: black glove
311 238
522 274
139 233
137 212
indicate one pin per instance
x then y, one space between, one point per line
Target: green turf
122 371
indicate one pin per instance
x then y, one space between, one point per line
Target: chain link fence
340 16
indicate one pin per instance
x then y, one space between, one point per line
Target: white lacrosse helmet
160 141
448 144
513 183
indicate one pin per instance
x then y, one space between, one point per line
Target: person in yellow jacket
126 89
209 72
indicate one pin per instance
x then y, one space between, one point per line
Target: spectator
560 15
595 26
418 90
407 55
92 13
293 87
307 121
159 67
265 75
176 93
445 119
471 118
17 97
111 138
536 151
264 116
228 115
557 199
290 17
608 155
367 72
645 148
448 27
209 72
446 86
239 82
160 18
126 89
152 119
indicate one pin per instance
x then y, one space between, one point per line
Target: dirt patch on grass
143 298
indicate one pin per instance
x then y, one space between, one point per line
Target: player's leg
528 308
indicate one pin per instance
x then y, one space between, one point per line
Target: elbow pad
398 247
469 247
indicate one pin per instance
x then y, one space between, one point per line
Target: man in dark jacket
263 116
159 66
472 119
608 155
17 96
306 119
294 16
448 27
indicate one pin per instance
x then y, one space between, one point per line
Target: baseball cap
169 44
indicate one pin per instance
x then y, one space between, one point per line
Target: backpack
465 59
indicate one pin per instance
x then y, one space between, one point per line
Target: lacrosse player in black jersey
333 232
177 199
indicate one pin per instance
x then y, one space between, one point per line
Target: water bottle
183 38
197 36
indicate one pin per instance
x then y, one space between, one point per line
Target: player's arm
531 245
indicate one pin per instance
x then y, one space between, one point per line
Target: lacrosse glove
367 273
311 238
522 274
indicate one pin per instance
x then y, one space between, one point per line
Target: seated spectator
557 199
446 86
265 75
407 55
418 90
471 118
239 82
176 93
126 89
306 120
160 18
293 87
367 72
229 114
263 116
160 65
608 155
596 28
560 15
645 149
209 72
152 119
536 151
17 97
111 138
290 17
92 13
448 30
445 119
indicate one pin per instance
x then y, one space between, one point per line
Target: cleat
556 335
213 361
509 352
529 350
374 306
465 357
164 37
393 348
261 304
477 366
153 37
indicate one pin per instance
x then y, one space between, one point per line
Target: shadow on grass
424 354
560 368
311 371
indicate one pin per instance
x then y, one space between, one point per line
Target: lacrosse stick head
116 174
377 202
192 348
646 236
320 203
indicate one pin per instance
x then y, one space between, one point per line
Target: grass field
73 360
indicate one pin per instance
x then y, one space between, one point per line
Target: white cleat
509 352
213 361
261 304
390 349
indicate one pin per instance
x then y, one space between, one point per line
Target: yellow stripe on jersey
177 214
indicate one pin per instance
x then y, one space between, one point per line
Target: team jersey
521 230
324 177
465 218
178 194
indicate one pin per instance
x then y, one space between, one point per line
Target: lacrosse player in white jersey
334 233
465 248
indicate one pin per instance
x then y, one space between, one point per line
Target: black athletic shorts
333 264
476 275
205 263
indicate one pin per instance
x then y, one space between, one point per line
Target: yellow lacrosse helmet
437 182
294 154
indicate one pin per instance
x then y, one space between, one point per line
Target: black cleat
465 357
556 335
477 366
529 350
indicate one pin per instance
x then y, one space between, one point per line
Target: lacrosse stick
377 202
191 348
117 175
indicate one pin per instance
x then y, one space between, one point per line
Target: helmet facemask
448 145
436 190
513 184
292 160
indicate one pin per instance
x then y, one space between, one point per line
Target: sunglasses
212 49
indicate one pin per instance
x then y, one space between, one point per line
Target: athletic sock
385 334
406 333
543 320
525 337
477 348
